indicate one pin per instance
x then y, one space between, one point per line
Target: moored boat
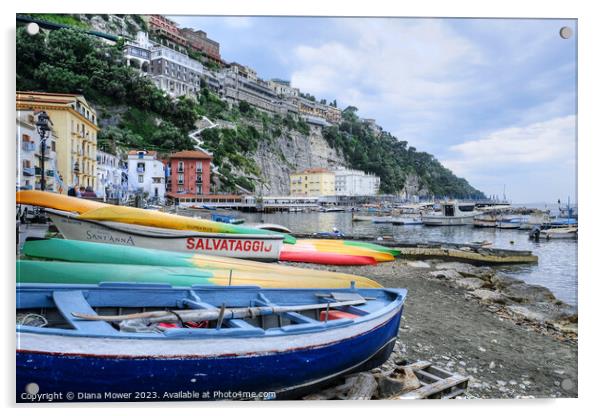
511 223
227 219
559 233
452 213
264 247
74 341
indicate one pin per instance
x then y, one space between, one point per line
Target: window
180 166
180 188
53 146
140 178
180 178
199 188
199 166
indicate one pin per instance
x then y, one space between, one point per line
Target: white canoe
263 247
557 233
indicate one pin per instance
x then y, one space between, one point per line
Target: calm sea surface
557 267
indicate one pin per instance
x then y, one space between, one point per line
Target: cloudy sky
493 99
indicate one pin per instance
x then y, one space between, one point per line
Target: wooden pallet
436 383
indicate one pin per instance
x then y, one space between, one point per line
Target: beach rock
419 264
500 280
489 296
525 293
466 270
522 312
446 274
470 283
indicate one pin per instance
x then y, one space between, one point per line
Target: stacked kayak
336 252
85 220
93 263
99 211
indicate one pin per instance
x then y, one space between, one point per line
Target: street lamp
43 130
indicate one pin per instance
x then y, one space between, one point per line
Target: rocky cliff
292 152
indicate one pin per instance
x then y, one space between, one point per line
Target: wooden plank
433 389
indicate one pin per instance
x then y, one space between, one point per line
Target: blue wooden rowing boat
227 219
201 343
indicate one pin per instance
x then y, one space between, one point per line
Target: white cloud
543 143
408 73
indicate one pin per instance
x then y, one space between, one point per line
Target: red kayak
333 259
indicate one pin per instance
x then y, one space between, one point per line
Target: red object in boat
336 315
317 257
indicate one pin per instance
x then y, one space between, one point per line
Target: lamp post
43 130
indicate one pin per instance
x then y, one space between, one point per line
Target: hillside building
29 155
75 127
112 176
146 174
189 174
350 182
313 182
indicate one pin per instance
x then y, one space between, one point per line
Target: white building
146 174
111 176
349 182
29 156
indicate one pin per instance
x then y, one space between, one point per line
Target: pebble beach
512 339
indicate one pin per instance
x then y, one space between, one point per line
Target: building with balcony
138 53
198 41
318 113
350 182
175 72
75 128
29 155
313 182
166 28
112 176
189 174
146 174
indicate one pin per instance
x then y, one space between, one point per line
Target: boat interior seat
75 301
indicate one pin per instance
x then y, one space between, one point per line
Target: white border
589 172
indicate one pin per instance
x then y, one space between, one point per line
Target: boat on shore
452 213
263 247
75 341
91 263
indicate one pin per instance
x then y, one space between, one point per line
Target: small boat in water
485 221
511 223
559 233
110 342
452 213
264 247
227 219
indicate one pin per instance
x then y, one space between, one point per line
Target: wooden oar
213 314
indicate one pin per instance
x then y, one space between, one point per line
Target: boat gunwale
146 231
397 300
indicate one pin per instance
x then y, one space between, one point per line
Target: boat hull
261 247
440 220
105 369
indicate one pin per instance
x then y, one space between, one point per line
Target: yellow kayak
99 211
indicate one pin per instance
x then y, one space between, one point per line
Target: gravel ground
504 357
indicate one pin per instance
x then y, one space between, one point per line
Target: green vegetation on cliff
392 160
134 113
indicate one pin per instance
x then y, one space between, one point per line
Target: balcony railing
28 146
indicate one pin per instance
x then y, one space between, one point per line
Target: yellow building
313 182
75 125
